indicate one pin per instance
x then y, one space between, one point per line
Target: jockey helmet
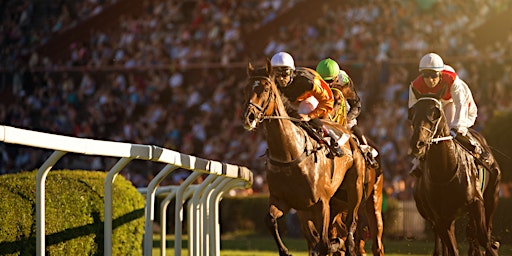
282 59
328 69
431 61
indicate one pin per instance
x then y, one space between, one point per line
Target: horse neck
442 158
285 140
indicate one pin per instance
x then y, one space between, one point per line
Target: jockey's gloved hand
454 132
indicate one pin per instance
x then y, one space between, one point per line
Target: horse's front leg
271 222
446 231
325 243
373 209
438 246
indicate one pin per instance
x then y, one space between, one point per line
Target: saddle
320 136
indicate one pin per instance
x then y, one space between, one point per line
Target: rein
262 117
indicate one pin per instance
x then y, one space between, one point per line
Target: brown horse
300 175
370 216
450 184
370 211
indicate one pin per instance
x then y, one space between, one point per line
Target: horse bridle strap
434 132
263 108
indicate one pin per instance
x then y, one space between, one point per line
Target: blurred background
171 73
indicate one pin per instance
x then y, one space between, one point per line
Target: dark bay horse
450 184
300 175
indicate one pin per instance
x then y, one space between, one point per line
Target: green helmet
328 69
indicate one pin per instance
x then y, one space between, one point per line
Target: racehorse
450 184
370 211
300 174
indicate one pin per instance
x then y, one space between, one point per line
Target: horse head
260 95
428 123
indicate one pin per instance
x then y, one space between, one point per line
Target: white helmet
431 61
282 59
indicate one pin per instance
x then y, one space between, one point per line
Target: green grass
252 245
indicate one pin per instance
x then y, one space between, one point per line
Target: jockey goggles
282 72
430 74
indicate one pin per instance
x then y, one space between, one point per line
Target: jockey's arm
462 97
355 109
353 100
325 102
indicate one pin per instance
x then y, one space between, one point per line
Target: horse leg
271 223
473 246
351 221
491 198
324 247
359 236
438 246
309 231
446 231
373 208
477 211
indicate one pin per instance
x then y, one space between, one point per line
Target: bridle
261 111
432 139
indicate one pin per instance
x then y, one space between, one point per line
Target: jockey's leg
474 147
365 148
333 145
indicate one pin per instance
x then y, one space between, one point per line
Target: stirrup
335 149
373 163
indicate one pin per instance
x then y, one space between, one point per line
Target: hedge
74 214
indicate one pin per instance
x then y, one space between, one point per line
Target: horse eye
258 89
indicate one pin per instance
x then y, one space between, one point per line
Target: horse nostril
250 117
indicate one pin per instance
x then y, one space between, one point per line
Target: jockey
338 79
305 87
457 100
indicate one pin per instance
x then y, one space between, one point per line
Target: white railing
203 206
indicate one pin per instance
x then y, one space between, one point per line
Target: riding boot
368 151
333 145
474 147
416 169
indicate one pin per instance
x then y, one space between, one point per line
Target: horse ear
250 68
268 66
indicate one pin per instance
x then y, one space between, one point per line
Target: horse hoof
337 245
495 245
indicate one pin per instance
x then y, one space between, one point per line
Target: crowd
197 111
